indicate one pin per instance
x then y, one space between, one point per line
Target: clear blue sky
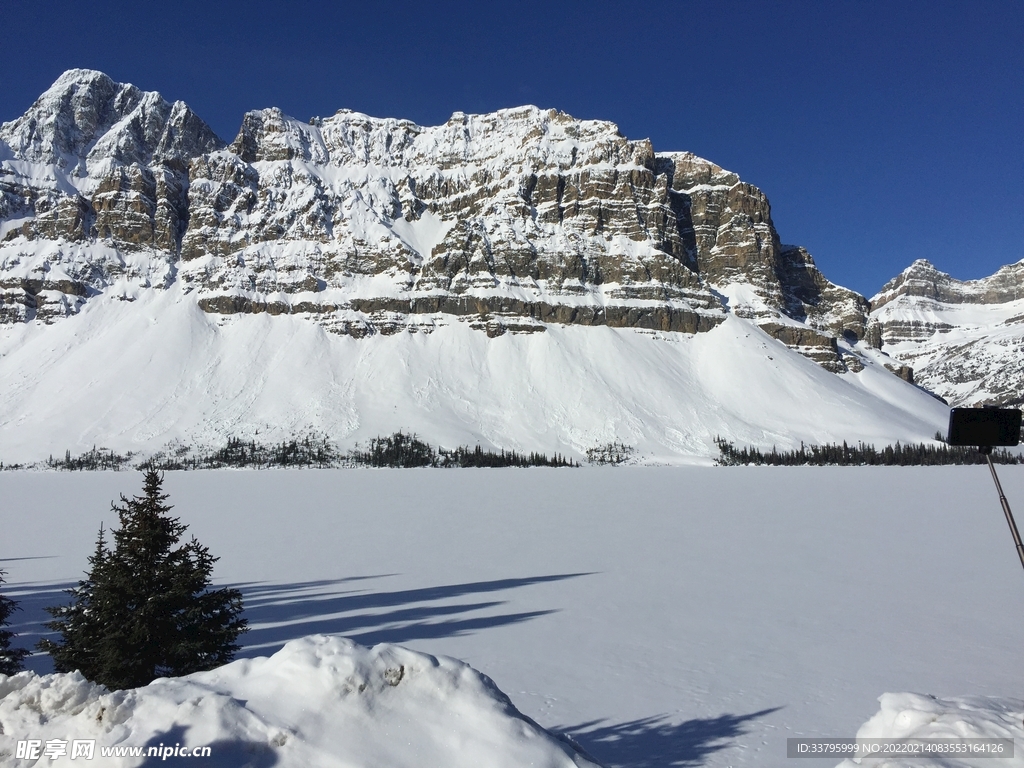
881 131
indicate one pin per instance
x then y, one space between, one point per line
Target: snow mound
913 716
319 701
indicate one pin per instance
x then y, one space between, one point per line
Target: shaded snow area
137 375
912 716
659 616
319 701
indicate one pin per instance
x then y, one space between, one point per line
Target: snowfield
659 616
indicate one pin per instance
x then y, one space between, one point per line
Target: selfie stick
987 450
986 427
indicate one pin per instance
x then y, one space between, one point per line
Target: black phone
984 427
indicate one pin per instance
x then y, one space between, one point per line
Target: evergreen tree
80 622
10 658
145 609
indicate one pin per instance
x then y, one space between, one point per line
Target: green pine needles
145 609
10 658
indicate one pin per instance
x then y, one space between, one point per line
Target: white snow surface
662 616
914 716
319 701
136 370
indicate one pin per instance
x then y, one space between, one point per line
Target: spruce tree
10 658
80 622
145 609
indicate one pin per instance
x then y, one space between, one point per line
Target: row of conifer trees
844 455
397 450
406 450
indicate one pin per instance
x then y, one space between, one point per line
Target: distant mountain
964 340
520 279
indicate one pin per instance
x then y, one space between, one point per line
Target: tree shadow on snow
27 621
655 742
278 613
224 753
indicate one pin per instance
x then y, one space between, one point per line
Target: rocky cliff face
963 339
92 174
509 221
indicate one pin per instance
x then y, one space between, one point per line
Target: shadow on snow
224 753
27 621
655 742
278 613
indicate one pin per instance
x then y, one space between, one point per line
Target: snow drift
914 716
319 701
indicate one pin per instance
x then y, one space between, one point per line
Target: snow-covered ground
320 701
661 616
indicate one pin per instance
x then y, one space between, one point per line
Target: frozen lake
662 616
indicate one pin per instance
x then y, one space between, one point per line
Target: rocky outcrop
85 119
733 244
92 161
964 340
522 211
732 239
510 220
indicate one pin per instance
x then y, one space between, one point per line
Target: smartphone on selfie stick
988 428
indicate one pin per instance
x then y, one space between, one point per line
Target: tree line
921 454
313 451
407 450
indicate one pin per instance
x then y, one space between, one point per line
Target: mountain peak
87 115
922 279
79 77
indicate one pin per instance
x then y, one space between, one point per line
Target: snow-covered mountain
521 279
365 225
964 340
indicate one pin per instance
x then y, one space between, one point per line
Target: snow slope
135 375
320 701
663 616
